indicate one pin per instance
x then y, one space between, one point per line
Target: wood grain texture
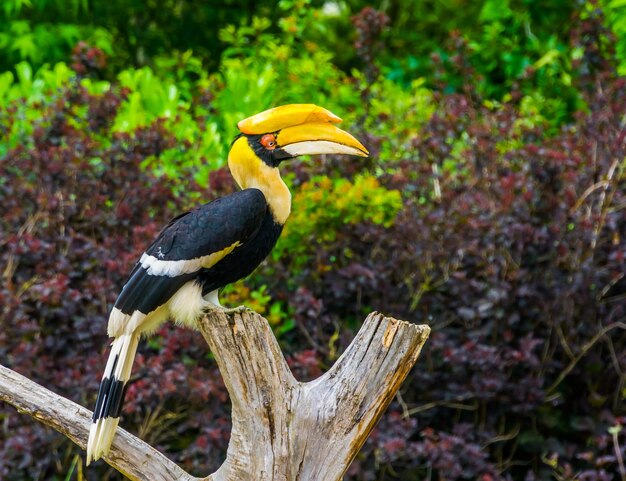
283 430
132 457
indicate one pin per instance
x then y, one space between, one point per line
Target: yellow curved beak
304 129
318 138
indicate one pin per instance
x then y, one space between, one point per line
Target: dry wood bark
130 455
283 430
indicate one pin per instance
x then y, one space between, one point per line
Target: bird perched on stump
199 252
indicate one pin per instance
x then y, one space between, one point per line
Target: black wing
190 242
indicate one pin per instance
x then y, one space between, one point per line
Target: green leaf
20 27
494 10
24 74
6 81
548 58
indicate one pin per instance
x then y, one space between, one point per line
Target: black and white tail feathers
106 414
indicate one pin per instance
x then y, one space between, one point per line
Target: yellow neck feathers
249 171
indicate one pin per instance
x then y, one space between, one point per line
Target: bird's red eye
269 141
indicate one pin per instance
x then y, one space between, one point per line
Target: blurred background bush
493 207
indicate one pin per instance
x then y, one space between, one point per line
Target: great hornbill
201 251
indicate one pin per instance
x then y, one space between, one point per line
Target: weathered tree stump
283 430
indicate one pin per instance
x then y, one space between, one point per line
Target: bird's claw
226 310
236 310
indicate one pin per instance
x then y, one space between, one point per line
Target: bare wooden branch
283 430
286 430
132 457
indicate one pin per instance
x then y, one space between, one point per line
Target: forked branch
282 429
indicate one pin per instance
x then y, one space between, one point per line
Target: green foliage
280 67
133 33
260 300
33 88
323 205
410 107
150 98
507 46
509 53
28 34
615 11
512 43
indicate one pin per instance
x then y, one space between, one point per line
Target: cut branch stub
285 430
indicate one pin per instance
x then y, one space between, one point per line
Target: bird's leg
213 303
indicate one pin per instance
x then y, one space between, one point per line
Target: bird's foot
236 310
226 310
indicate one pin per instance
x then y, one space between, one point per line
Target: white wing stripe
159 267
